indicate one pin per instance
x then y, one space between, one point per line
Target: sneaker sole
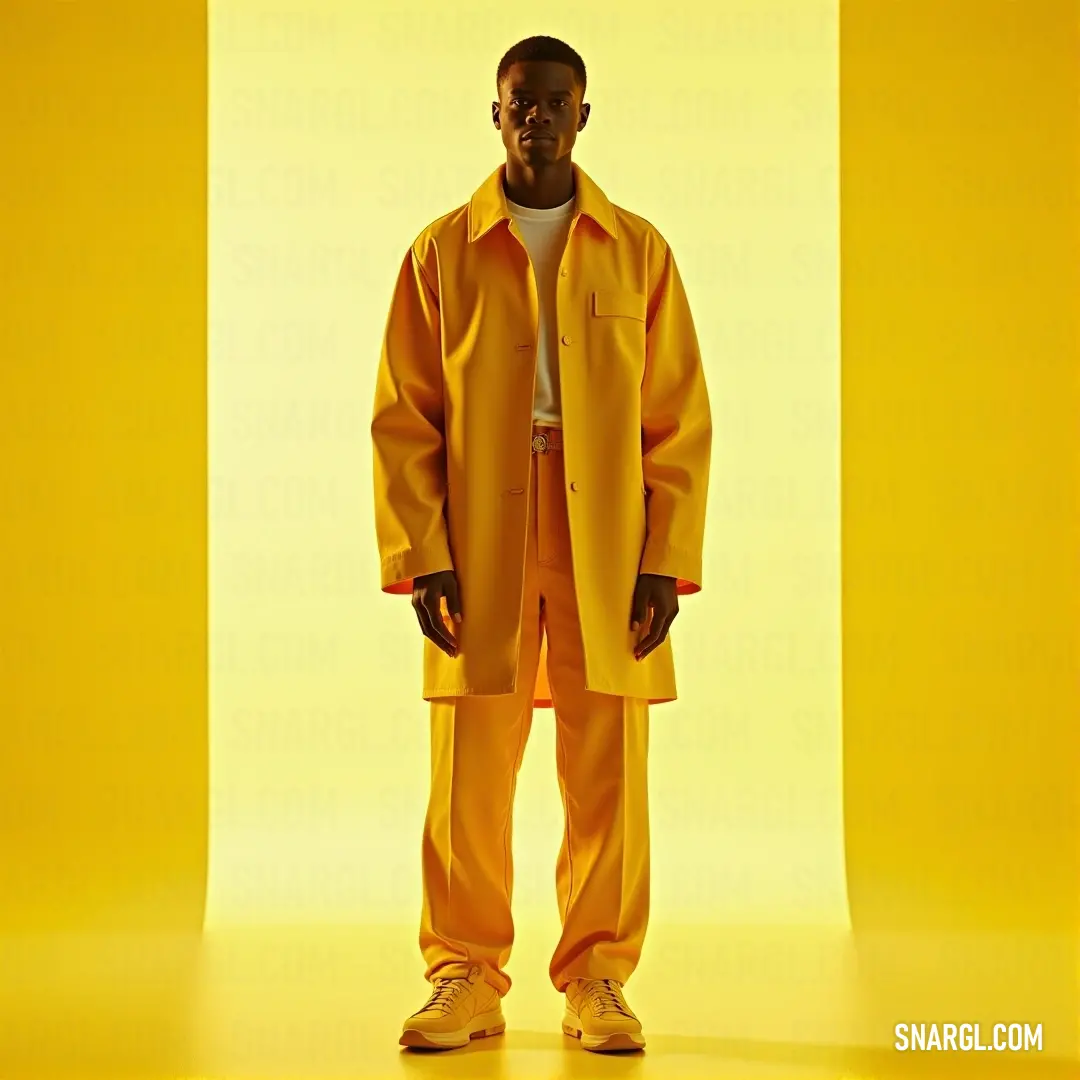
617 1041
482 1027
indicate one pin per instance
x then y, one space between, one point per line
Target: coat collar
488 206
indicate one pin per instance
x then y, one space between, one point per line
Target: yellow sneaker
597 1014
457 1011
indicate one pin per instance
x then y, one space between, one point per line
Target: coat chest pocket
617 342
618 304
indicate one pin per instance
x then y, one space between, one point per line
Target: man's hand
657 594
428 592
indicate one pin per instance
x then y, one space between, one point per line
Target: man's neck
540 189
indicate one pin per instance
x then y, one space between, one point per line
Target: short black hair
540 47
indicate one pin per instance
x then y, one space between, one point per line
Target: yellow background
212 727
334 139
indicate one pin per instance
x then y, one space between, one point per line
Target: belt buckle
540 444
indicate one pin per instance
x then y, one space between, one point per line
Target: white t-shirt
545 233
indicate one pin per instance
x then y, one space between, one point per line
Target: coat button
573 485
566 339
563 272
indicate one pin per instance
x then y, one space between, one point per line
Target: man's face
539 112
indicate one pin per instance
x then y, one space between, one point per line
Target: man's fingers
639 608
422 619
431 625
645 625
655 636
453 600
438 628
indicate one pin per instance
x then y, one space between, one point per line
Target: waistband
545 439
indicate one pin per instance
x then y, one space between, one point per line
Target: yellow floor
329 1002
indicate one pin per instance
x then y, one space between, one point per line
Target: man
542 441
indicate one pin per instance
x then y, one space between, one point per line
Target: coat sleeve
676 434
408 443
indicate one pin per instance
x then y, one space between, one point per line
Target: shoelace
444 995
604 996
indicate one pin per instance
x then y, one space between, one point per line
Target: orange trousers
477 743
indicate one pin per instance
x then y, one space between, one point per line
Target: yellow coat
452 427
